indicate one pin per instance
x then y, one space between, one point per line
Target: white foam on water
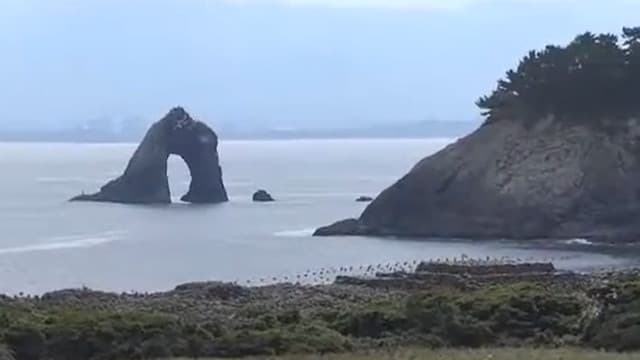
579 242
296 233
64 243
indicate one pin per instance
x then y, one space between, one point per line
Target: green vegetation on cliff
594 76
220 320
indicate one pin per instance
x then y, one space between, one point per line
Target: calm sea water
48 243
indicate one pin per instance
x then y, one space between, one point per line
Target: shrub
371 323
618 326
313 338
6 353
26 341
482 317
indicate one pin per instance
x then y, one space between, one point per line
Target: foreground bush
327 320
476 354
618 325
5 353
499 315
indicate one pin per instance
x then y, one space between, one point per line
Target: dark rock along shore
145 179
511 180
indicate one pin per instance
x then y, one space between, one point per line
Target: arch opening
198 150
179 177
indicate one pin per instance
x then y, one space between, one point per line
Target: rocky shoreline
465 304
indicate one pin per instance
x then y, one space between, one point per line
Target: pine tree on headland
594 76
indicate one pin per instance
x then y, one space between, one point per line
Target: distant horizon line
235 140
248 127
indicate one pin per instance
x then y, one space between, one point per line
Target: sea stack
145 180
557 158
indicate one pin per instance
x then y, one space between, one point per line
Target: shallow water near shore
48 243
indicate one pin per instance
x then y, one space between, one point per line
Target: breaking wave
64 243
296 233
579 242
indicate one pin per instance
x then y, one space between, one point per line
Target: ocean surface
47 243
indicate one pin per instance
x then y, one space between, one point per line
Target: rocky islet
145 180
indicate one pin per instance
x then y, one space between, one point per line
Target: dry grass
488 354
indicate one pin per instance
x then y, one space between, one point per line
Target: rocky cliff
552 179
145 179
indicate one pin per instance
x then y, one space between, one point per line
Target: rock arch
145 179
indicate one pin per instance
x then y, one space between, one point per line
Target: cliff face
506 180
145 179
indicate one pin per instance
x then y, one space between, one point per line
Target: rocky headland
145 178
507 180
556 158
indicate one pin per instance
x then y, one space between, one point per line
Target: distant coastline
417 130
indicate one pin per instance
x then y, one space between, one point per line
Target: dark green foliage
27 342
78 336
499 314
81 335
595 76
313 338
502 314
5 353
289 317
618 326
371 323
513 314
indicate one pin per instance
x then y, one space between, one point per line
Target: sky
303 63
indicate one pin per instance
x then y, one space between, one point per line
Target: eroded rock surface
510 180
145 179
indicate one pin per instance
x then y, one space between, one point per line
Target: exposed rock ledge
145 179
507 180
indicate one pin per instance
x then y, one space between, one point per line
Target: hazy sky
284 62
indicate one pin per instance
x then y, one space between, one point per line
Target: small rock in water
364 199
262 196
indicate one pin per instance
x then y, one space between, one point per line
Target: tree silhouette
593 77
